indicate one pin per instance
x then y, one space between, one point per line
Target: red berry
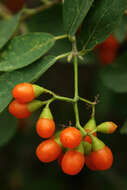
101 159
45 127
72 162
107 56
70 137
14 5
89 164
87 138
19 110
48 151
23 92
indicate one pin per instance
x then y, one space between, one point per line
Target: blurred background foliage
19 167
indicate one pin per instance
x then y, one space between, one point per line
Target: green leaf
25 49
74 11
8 126
121 30
7 28
114 76
123 129
101 20
28 74
51 19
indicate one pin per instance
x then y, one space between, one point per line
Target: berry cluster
72 147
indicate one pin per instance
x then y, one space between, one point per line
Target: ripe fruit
101 156
89 164
19 110
26 92
101 159
48 151
70 137
72 162
107 127
45 127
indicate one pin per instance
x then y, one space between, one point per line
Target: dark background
19 167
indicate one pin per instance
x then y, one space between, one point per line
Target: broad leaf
25 49
8 126
74 11
123 129
50 19
7 28
28 74
101 20
115 76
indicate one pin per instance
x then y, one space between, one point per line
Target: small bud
37 90
97 144
34 105
107 127
46 113
91 124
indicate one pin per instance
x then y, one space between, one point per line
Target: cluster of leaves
24 57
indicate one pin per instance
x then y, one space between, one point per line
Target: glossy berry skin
48 151
70 137
19 110
45 127
101 159
23 92
72 162
87 138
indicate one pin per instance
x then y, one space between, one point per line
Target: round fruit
89 164
101 159
72 162
23 92
48 151
45 127
19 110
70 137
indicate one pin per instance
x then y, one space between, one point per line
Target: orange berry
48 151
101 159
72 162
23 92
19 110
45 127
70 137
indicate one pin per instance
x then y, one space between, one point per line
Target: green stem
62 56
93 131
30 12
86 101
61 37
62 98
76 97
57 97
76 76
